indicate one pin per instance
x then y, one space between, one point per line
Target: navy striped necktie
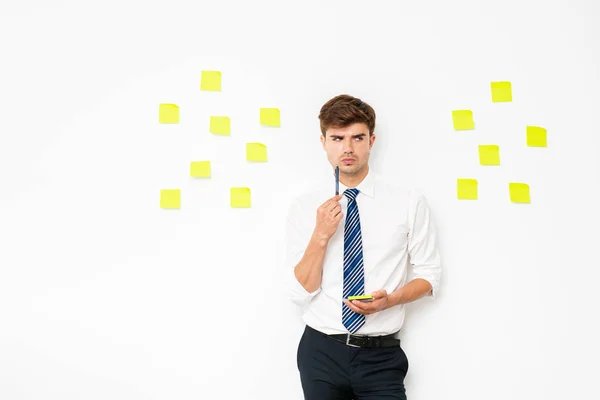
354 280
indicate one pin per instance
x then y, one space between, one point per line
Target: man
350 349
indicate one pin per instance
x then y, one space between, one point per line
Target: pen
337 180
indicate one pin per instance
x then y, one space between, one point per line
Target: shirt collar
367 186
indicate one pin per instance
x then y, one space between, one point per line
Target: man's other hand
380 302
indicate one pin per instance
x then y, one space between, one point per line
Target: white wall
105 295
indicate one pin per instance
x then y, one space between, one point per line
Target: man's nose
348 146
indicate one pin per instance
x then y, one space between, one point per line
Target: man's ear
372 140
323 141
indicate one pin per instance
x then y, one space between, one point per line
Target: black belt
368 342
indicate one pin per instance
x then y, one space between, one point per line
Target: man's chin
350 169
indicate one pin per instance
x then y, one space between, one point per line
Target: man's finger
329 203
364 307
353 307
332 206
379 294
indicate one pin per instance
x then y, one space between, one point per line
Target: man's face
348 147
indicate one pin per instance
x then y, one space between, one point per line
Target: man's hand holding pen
329 215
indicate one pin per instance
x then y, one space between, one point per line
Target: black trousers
331 370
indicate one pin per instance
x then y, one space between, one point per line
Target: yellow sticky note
240 197
200 169
220 125
463 120
168 114
210 80
170 198
519 192
501 92
536 136
466 189
270 116
489 154
256 152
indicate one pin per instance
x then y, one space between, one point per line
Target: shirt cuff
296 292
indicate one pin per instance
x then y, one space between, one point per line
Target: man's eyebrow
353 135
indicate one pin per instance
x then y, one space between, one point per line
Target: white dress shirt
397 232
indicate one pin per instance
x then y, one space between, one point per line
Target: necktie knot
351 193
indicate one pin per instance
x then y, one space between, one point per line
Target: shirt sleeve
297 237
422 243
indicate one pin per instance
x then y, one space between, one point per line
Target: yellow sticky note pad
256 152
200 169
220 125
519 192
466 189
270 116
463 120
367 297
240 197
501 92
168 114
170 198
536 136
210 80
489 154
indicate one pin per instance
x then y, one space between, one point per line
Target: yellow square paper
463 120
466 189
240 197
220 125
256 152
168 113
519 192
536 136
170 198
200 169
210 80
501 92
489 154
270 117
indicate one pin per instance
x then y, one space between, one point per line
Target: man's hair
344 110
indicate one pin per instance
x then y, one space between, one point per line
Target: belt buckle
348 341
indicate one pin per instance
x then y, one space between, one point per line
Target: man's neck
352 181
